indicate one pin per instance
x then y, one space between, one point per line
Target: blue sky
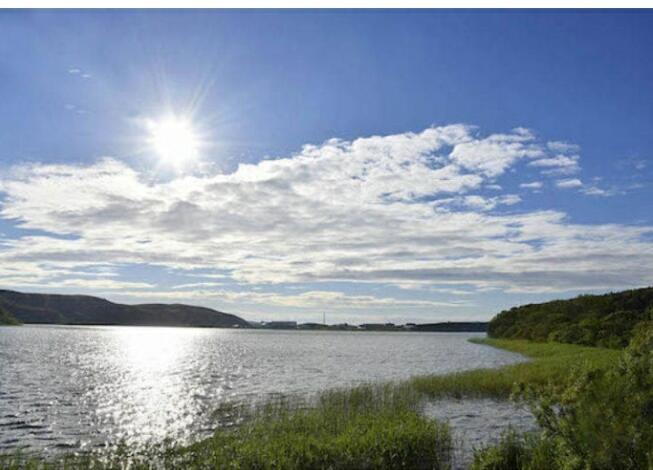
484 158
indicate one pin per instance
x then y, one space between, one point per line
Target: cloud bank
418 209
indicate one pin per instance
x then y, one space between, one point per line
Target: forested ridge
594 320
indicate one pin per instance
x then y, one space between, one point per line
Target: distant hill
594 320
463 326
7 319
88 310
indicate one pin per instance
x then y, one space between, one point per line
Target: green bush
603 420
516 452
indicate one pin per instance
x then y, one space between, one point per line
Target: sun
174 140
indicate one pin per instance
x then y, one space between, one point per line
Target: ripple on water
95 386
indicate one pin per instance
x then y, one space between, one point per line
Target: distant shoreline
66 309
333 328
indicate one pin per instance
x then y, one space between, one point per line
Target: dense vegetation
88 310
593 320
452 326
596 417
7 319
602 419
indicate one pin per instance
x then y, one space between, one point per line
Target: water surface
66 387
479 422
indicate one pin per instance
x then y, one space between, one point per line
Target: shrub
603 420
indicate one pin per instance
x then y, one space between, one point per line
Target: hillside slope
84 309
6 318
593 320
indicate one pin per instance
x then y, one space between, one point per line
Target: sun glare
174 140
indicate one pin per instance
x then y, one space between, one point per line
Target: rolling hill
88 310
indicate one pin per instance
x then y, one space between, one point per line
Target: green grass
550 363
367 427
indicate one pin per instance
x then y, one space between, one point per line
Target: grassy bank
370 426
550 363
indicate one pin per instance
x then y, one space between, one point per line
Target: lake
65 388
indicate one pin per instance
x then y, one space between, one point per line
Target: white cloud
399 209
479 203
569 183
51 281
198 284
558 165
531 185
587 189
316 299
632 163
79 72
491 156
562 147
597 191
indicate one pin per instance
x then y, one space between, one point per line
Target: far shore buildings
280 325
424 327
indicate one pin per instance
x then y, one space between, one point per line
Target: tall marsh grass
550 363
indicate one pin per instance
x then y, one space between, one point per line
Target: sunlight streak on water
65 388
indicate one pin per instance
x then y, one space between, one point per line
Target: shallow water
476 423
65 387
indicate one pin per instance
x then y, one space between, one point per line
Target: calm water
479 422
64 387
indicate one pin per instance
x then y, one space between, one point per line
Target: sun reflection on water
68 388
150 399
